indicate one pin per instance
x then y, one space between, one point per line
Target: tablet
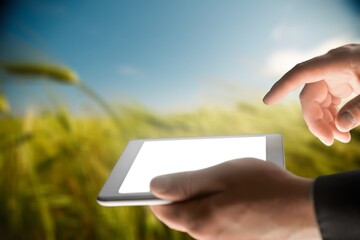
142 160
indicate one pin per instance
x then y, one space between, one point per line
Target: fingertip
268 99
345 122
321 130
160 185
265 100
343 137
274 95
326 142
343 140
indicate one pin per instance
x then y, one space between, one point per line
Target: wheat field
53 164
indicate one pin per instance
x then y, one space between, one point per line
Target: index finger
313 70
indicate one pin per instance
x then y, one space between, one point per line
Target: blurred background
79 79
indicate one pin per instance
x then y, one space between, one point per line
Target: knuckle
299 66
347 54
340 50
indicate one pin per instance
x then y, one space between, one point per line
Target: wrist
306 222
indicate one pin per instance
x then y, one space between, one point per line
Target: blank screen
170 156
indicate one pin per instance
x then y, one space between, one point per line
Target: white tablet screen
170 156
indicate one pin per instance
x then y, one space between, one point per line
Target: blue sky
168 55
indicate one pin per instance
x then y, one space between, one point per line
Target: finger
344 137
317 92
311 98
169 215
349 115
321 130
189 216
310 71
338 135
329 119
186 185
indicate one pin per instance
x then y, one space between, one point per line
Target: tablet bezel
110 196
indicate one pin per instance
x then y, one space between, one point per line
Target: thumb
185 185
349 115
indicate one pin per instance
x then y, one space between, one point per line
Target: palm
320 101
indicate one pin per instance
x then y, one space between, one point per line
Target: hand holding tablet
142 160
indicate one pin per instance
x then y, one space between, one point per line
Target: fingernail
160 184
346 121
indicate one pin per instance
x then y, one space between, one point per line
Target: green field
53 164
